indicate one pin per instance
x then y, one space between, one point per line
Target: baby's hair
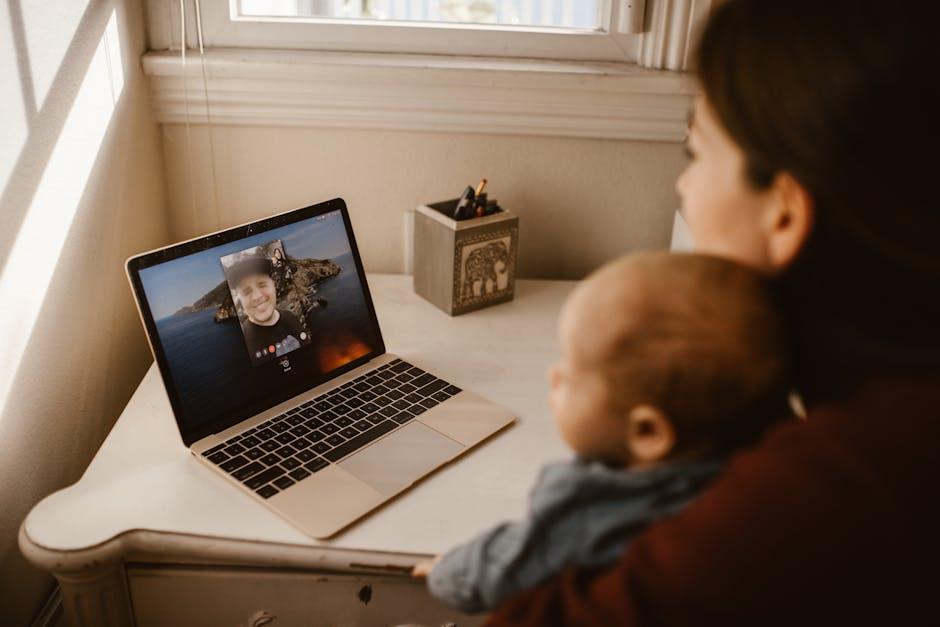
701 339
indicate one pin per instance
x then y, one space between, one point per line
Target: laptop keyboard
276 454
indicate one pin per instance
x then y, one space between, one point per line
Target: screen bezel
219 423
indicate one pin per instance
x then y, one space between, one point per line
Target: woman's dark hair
842 95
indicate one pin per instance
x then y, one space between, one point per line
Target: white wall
81 188
579 201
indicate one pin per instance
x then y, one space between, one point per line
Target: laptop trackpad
398 460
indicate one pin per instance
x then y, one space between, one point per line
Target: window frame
221 30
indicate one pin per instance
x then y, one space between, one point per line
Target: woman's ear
790 220
650 435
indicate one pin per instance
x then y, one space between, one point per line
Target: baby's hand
422 569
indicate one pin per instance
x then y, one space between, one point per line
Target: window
546 29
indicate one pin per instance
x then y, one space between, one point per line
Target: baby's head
666 355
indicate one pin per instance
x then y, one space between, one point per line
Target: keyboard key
316 436
414 398
402 404
329 429
388 412
406 388
375 418
423 380
246 471
375 380
417 409
322 406
361 387
400 367
321 447
296 419
404 378
355 402
429 403
379 389
309 413
342 408
306 456
367 396
327 416
286 451
369 408
300 430
270 445
299 473
214 449
363 425
382 401
402 417
452 389
284 482
234 464
262 478
317 464
393 383
235 449
254 453
250 441
290 463
218 457
267 491
342 421
432 387
350 393
356 414
265 434
335 440
394 395
280 427
271 459
278 418
301 443
416 372
440 395
387 374
314 423
360 440
286 438
349 432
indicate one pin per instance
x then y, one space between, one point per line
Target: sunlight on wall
15 125
28 272
48 29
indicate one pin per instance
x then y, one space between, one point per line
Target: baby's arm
477 575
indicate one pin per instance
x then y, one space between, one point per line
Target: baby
669 363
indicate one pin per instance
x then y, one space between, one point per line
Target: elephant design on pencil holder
480 265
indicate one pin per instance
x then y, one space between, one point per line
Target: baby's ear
650 435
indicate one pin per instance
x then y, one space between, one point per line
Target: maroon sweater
831 521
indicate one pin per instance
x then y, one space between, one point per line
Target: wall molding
419 93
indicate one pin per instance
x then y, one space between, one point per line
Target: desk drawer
212 596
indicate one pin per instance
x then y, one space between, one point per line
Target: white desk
149 535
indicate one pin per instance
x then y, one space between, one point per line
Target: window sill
420 92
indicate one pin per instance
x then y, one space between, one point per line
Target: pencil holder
464 265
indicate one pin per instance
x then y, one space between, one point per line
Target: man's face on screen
257 295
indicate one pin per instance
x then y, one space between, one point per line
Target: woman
802 165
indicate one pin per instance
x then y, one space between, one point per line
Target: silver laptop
275 367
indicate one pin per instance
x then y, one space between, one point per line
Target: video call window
259 279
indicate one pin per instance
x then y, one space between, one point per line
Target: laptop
275 367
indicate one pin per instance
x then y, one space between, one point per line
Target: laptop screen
245 319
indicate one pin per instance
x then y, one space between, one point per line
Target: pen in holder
467 264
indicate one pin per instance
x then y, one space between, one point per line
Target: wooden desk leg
97 597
